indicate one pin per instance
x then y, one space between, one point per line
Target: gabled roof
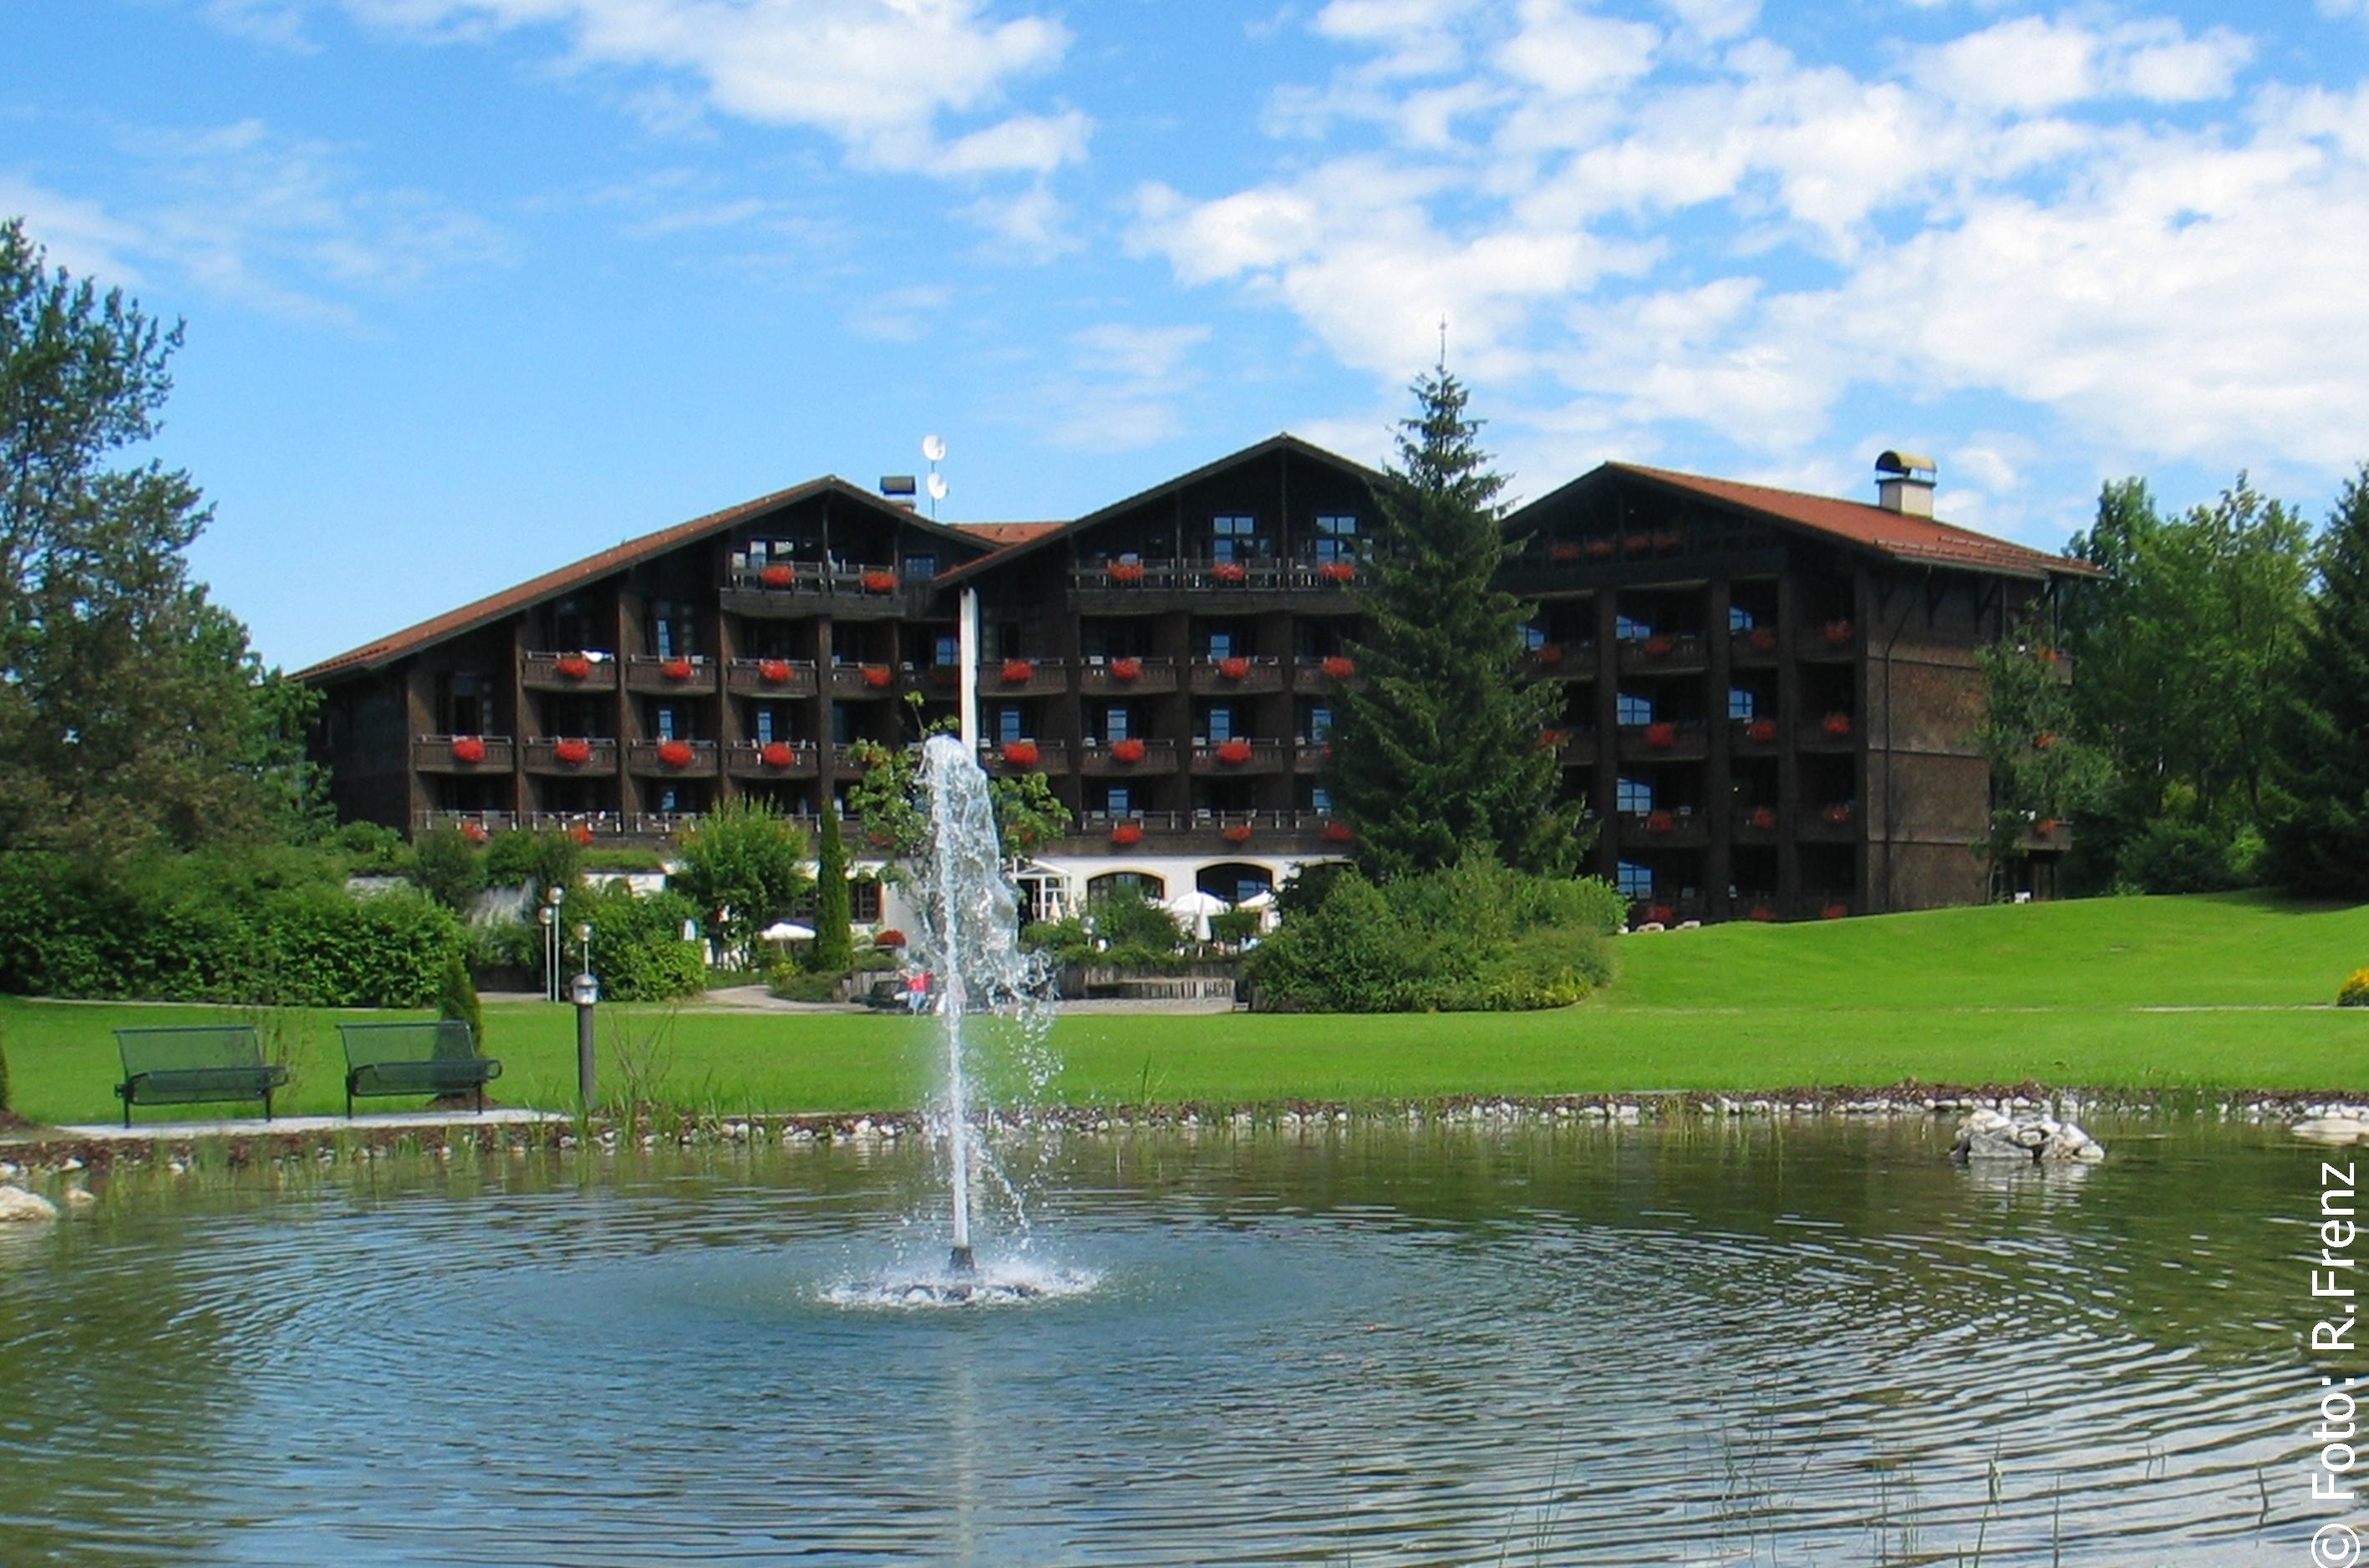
1917 540
1278 443
493 606
1001 534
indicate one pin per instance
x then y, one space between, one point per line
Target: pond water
1705 1344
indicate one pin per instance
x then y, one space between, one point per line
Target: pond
1816 1343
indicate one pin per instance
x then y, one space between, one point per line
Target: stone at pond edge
16 1203
1988 1135
2332 1128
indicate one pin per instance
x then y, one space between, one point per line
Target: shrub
1124 919
456 997
834 939
448 868
369 850
2169 856
1234 927
1063 942
638 950
5 1106
792 983
2354 993
536 861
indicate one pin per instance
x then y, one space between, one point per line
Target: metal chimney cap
896 484
1909 464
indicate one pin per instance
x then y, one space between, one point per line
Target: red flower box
1021 754
1235 668
1233 752
777 753
1563 550
1761 911
1231 571
1337 572
1764 639
1600 549
1763 817
1338 668
1126 833
1834 912
1838 814
2042 740
878 582
1126 669
1637 544
1339 833
675 754
889 936
677 669
1129 750
1761 730
2044 826
1666 541
572 666
778 575
1659 647
1126 570
468 748
581 833
773 672
1661 735
574 752
1661 822
1660 914
1239 833
1835 633
877 676
1550 739
1548 653
1839 725
474 832
1019 672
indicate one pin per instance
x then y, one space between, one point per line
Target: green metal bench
187 1063
434 1058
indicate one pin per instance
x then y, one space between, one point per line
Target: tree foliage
887 801
743 865
133 712
2041 770
2319 843
448 869
834 939
1435 749
456 996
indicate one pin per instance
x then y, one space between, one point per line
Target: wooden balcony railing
843 588
570 753
588 671
860 680
1664 741
463 754
1113 759
691 674
1023 677
1241 673
1126 677
1674 828
1216 579
1671 652
1836 638
1560 661
771 677
1315 677
1834 821
1833 731
1206 833
674 759
1238 756
771 759
1751 645
1012 757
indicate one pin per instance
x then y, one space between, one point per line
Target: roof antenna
1443 343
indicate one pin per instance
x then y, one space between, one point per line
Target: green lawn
2069 994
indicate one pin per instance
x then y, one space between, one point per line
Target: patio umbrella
786 931
1193 908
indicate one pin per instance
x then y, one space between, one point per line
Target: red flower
1839 725
1126 669
1021 754
1834 912
1231 571
572 666
2044 826
1550 739
773 672
888 937
1764 638
1638 544
1661 735
1661 822
1761 911
1339 833
1660 914
1337 572
1126 833
1600 549
1234 668
474 832
1019 672
574 752
2042 740
877 676
878 582
1838 813
1563 550
582 834
1338 668
677 669
675 754
1837 632
1233 752
1763 817
1668 541
779 574
776 754
1129 750
1659 647
468 748
1761 730
1239 833
1126 570
1548 653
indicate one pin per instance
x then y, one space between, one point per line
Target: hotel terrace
1769 697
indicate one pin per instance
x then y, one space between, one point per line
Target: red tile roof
1009 533
1896 534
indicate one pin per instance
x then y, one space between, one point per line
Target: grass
2068 993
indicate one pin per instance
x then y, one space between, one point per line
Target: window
1118 800
1628 628
669 798
1315 722
1217 724
1336 537
1631 709
1102 887
1235 539
1217 642
1116 722
1742 702
1533 637
765 724
1634 795
842 725
670 629
945 649
663 721
1740 618
921 568
1636 882
863 900
1011 724
1319 799
468 706
571 625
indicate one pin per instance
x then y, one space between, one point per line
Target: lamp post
584 992
549 916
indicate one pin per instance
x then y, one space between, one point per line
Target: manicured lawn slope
2069 994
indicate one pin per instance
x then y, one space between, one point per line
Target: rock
2331 1130
30 1207
1988 1135
80 1197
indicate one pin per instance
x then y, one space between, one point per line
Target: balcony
1755 825
1011 758
1753 648
1664 741
1126 759
771 759
1239 758
1824 906
1217 678
1023 677
1313 677
1205 833
1309 755
681 675
781 678
463 754
2046 836
1680 828
565 755
1558 661
860 680
1126 678
567 672
848 591
671 759
1836 732
1832 641
1215 585
476 825
1754 737
1833 822
1575 741
1662 655
1666 908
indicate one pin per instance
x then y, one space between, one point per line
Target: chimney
1904 483
899 488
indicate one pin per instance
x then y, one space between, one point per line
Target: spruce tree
2320 843
834 941
1435 750
456 997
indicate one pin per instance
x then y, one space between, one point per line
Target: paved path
388 1122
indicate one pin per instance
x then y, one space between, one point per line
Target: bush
448 868
546 859
369 850
1126 922
638 951
5 1106
2168 855
1234 927
2354 993
456 997
792 983
1063 942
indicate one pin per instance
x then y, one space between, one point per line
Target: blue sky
474 287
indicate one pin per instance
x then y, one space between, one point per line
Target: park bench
190 1062
438 1057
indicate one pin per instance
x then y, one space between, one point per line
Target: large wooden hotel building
1769 696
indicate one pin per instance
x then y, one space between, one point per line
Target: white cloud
2031 65
1122 388
79 236
901 315
278 23
1026 225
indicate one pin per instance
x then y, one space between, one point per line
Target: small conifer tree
834 942
2319 844
456 997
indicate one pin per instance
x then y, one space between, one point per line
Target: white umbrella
1262 899
1193 908
786 931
